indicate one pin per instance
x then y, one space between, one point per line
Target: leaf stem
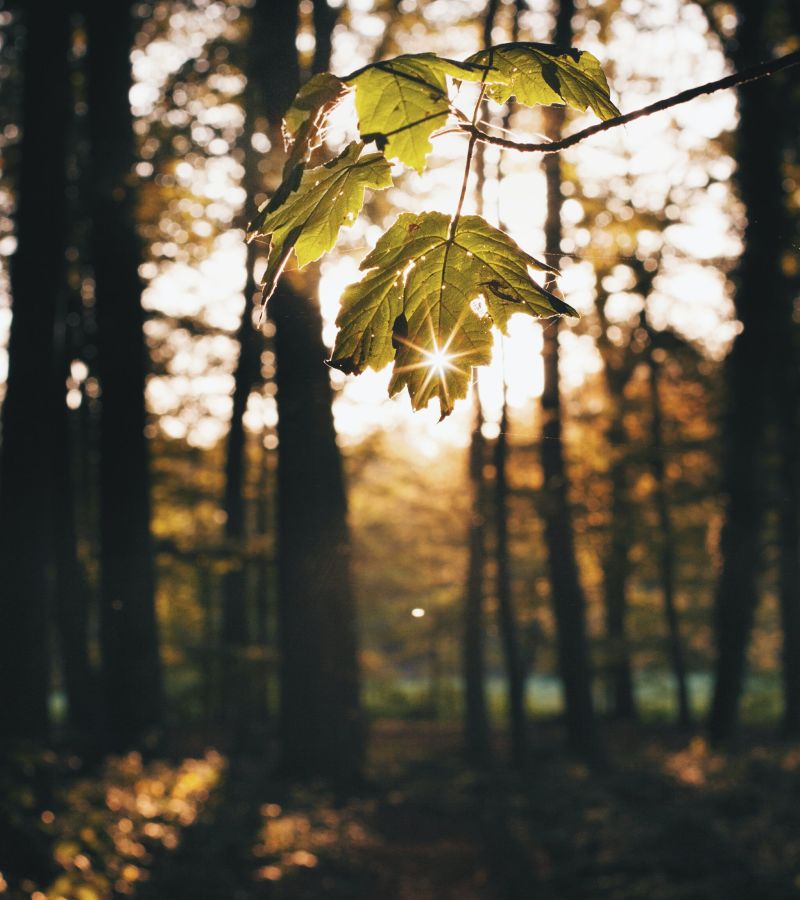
470 151
753 73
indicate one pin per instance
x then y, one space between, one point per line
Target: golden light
417 612
439 360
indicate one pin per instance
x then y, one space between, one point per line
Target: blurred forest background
266 633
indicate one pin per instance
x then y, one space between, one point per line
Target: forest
400 449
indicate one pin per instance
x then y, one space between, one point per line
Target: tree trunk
507 620
617 568
476 719
789 583
264 584
568 599
72 592
787 392
235 630
758 284
37 280
128 632
320 715
667 538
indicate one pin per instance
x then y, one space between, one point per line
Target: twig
753 73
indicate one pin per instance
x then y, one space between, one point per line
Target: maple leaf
400 102
418 304
305 215
545 74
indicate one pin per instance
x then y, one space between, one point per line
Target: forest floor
668 820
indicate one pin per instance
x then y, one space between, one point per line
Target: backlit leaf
545 74
419 304
402 101
308 213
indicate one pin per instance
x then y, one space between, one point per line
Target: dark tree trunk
789 537
666 560
128 632
616 567
758 285
261 98
37 281
320 711
72 592
235 628
568 599
787 392
325 17
507 620
320 714
264 583
269 46
476 719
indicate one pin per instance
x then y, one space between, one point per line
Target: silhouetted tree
476 718
508 627
568 599
321 722
666 558
72 591
128 633
757 289
618 366
37 286
787 393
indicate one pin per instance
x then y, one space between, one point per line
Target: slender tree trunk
477 739
37 280
617 568
507 623
264 587
128 633
758 284
235 631
507 620
568 599
235 628
72 592
325 17
787 392
666 559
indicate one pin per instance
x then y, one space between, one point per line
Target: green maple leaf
419 304
400 102
545 74
306 213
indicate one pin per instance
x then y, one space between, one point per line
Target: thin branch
468 164
750 74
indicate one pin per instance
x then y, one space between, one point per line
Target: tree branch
752 73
